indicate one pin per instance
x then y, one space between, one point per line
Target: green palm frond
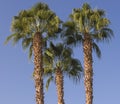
67 52
105 34
48 82
99 12
96 49
39 6
69 28
15 37
74 69
70 40
70 34
48 70
30 51
9 38
50 54
86 6
26 42
47 59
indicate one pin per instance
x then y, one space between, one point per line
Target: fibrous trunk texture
38 69
59 85
88 71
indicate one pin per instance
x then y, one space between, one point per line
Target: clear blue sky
16 83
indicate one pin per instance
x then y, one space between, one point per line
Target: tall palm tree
58 62
87 26
33 27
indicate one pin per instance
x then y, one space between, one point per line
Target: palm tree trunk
88 71
38 69
59 85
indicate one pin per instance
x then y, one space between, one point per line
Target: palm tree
87 26
33 27
58 62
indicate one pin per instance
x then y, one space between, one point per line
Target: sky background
16 82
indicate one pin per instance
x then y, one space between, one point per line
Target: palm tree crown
28 22
60 56
90 21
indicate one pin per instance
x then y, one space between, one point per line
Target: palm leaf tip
9 38
75 70
105 34
96 49
40 6
30 52
48 82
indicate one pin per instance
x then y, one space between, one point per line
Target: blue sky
16 82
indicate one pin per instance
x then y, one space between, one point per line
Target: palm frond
105 34
96 49
26 42
30 51
48 82
40 6
16 37
74 70
70 35
86 6
9 38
